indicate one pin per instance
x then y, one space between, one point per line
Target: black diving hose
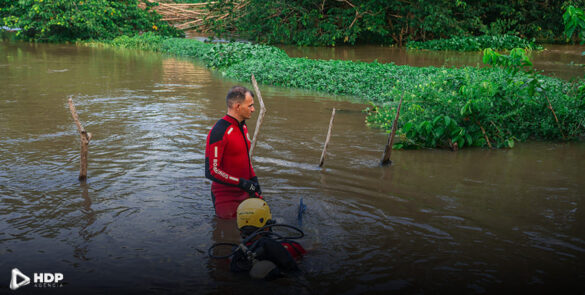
259 232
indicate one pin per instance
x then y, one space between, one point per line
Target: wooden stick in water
260 116
386 158
327 139
555 115
85 138
487 139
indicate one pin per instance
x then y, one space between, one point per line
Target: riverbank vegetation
497 42
327 23
59 20
443 107
574 22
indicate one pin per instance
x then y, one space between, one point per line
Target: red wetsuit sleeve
216 142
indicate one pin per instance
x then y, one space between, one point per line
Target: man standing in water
227 160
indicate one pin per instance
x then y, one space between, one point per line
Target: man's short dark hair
237 94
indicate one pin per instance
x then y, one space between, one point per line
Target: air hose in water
259 232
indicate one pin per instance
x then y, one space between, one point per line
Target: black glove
250 186
255 179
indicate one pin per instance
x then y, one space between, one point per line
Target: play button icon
14 284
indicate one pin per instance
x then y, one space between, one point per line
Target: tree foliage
333 22
63 20
574 20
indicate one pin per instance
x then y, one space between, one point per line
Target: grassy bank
443 107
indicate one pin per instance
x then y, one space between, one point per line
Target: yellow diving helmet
253 212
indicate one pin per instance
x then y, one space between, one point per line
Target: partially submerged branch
322 161
260 116
388 151
85 138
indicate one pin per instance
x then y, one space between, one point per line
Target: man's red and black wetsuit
226 161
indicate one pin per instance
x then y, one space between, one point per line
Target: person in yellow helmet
266 257
251 215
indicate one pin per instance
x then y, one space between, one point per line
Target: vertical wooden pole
85 138
487 139
386 158
260 116
555 115
327 139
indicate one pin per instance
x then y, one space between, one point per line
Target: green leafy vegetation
443 107
64 20
489 107
499 42
574 20
146 41
329 23
222 55
214 55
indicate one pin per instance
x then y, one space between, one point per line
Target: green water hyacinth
443 107
497 42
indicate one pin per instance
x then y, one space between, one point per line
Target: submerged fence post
327 139
550 107
386 158
260 116
85 138
487 139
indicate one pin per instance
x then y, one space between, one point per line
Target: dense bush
322 22
499 42
574 21
64 20
472 106
443 107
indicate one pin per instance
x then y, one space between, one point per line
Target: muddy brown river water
473 221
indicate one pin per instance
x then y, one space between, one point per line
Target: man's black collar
239 123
